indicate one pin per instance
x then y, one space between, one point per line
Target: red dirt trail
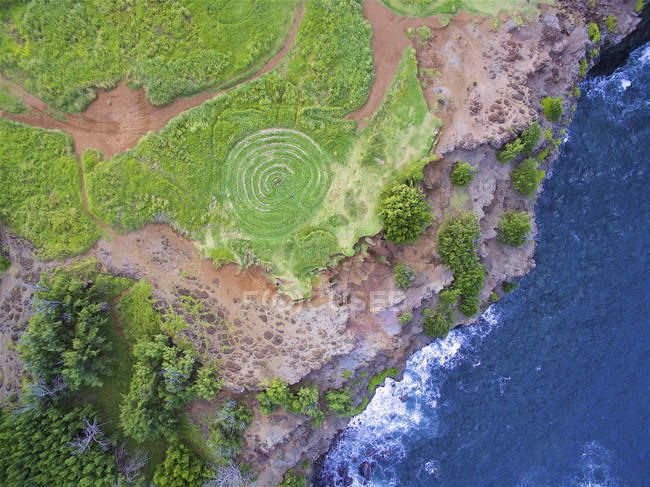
118 118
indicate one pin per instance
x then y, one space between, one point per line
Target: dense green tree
404 275
437 324
181 468
462 174
66 334
405 213
514 228
593 31
457 247
525 177
55 448
5 263
553 108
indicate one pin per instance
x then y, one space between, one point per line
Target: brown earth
118 118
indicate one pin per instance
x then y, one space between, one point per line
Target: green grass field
269 173
426 8
41 191
60 51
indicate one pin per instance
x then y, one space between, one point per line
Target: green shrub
457 247
404 276
530 137
514 228
576 92
275 394
208 382
405 318
305 401
378 379
438 324
594 32
583 68
181 468
136 312
508 287
339 401
548 134
494 297
544 154
462 174
410 33
5 263
610 21
553 108
424 32
639 6
292 479
511 150
525 178
405 213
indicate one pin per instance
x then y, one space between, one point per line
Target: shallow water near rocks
551 387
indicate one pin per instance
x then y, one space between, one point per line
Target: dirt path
118 118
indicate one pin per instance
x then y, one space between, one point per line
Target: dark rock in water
348 481
404 397
365 469
342 470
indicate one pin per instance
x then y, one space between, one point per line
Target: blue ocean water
552 387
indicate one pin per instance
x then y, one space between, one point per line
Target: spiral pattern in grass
275 180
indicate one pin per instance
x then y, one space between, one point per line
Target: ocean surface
552 387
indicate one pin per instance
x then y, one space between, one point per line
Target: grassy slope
178 174
9 102
61 50
41 193
426 8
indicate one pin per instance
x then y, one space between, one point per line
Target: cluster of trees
339 401
48 447
457 247
165 378
65 343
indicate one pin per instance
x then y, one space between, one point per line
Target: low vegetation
405 318
525 178
277 395
5 263
404 276
339 401
426 8
462 174
514 228
610 22
593 31
41 195
553 110
227 428
292 479
61 51
526 143
10 102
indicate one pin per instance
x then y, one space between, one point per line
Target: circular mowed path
275 180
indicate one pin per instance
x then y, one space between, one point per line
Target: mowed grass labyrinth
275 180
